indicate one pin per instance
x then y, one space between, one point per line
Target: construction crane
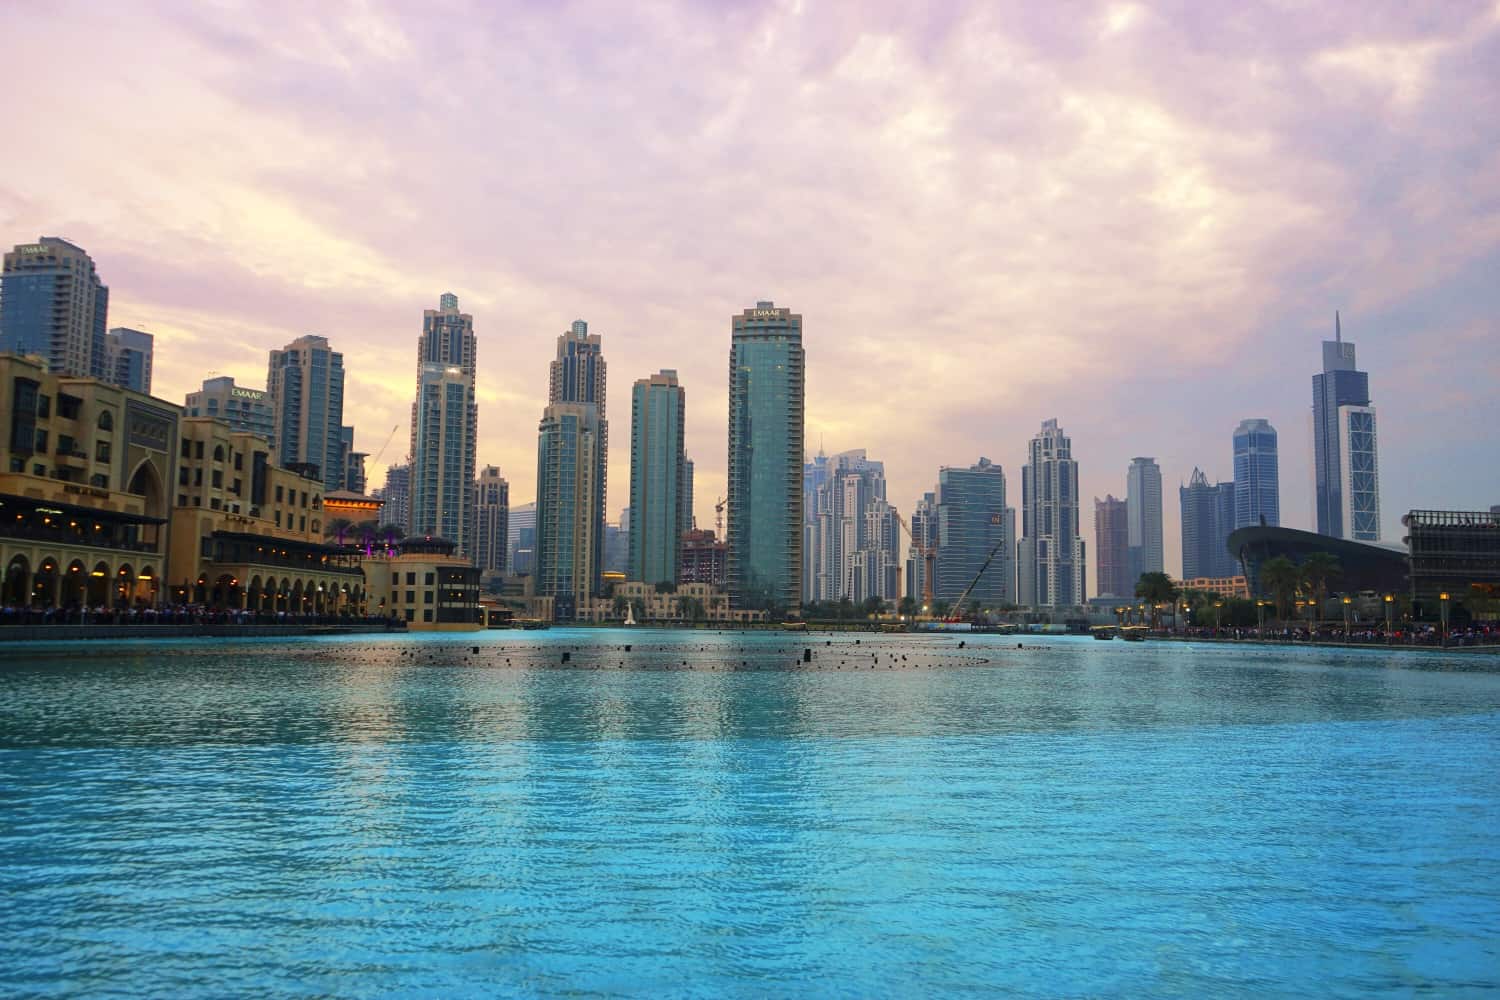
955 613
719 519
925 553
392 434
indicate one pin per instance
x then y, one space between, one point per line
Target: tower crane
388 437
719 519
925 553
955 613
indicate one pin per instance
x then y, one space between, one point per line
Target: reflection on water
706 813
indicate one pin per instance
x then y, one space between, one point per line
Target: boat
533 623
1133 633
1103 631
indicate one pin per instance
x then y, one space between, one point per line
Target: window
278 519
197 449
214 503
39 470
278 494
99 480
182 499
411 580
198 476
68 406
218 479
426 597
101 451
304 500
66 445
182 476
187 448
411 597
410 614
239 461
234 487
106 421
44 406
17 464
41 442
428 580
218 453
427 615
302 523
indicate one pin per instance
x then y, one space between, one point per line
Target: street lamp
1218 607
1347 607
1260 610
1390 603
1300 606
1443 598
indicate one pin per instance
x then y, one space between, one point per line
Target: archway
18 582
44 584
252 594
124 585
98 585
144 590
295 603
226 592
75 584
145 481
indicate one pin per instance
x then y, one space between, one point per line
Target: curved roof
1365 565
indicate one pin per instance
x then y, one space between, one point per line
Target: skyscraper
1052 568
53 304
127 358
688 520
572 452
1143 518
243 408
306 381
397 496
1112 547
852 546
521 538
354 463
766 397
658 472
1257 481
569 521
492 504
973 522
1207 519
445 427
924 537
1346 470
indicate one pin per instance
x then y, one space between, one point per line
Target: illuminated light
97 572
1443 596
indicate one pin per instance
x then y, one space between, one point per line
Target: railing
67 538
185 615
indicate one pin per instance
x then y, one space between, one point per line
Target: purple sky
1137 219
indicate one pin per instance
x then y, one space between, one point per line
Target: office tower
1257 489
703 558
442 479
814 475
397 496
354 464
1143 519
1346 470
616 549
242 408
127 358
853 544
765 504
924 538
658 471
521 538
445 433
1051 552
972 530
52 304
1208 515
1112 547
688 521
569 523
492 509
305 380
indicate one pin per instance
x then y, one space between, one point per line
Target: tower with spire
1346 473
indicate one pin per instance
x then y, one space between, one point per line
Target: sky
1138 219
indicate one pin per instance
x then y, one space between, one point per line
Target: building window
411 597
39 470
41 442
182 476
426 597
182 499
218 478
427 615
198 449
198 476
187 449
44 406
101 451
278 494
99 480
411 580
106 421
428 580
234 487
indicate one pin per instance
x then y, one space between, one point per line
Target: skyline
281 186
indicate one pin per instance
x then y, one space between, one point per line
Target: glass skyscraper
127 358
1052 570
1207 520
658 478
1257 482
1112 547
52 304
1143 520
305 380
973 522
765 500
445 427
1346 469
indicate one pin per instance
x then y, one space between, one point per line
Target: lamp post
1218 607
1260 629
1348 602
1300 606
1443 603
1390 602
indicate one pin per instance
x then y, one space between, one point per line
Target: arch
75 585
226 592
44 583
145 587
99 584
106 421
17 583
123 586
145 481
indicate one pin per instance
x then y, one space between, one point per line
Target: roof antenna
1338 330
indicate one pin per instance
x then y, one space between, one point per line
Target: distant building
764 502
425 583
492 510
354 462
1207 520
1345 461
1143 519
569 523
688 520
853 539
924 539
306 381
397 496
973 524
242 408
53 305
617 547
1111 547
1224 586
1455 553
521 539
658 477
704 558
1052 571
127 358
1257 477
445 427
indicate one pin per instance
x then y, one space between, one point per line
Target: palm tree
1156 588
337 528
1280 577
908 606
1318 570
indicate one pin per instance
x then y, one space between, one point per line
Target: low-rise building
1224 586
425 584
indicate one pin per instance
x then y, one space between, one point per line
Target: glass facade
306 381
53 305
1338 387
1257 489
658 475
1207 520
764 502
1052 553
971 524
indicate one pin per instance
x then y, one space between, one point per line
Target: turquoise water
371 816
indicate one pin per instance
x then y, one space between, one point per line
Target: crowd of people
1375 634
181 614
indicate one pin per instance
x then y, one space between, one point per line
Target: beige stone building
423 583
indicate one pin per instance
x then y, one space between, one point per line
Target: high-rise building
851 543
1208 514
521 538
442 480
445 431
242 408
354 463
688 521
305 380
1346 469
703 559
1257 481
569 522
492 509
127 358
1112 547
397 496
974 525
1052 569
1143 519
52 304
814 475
658 471
924 537
766 399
